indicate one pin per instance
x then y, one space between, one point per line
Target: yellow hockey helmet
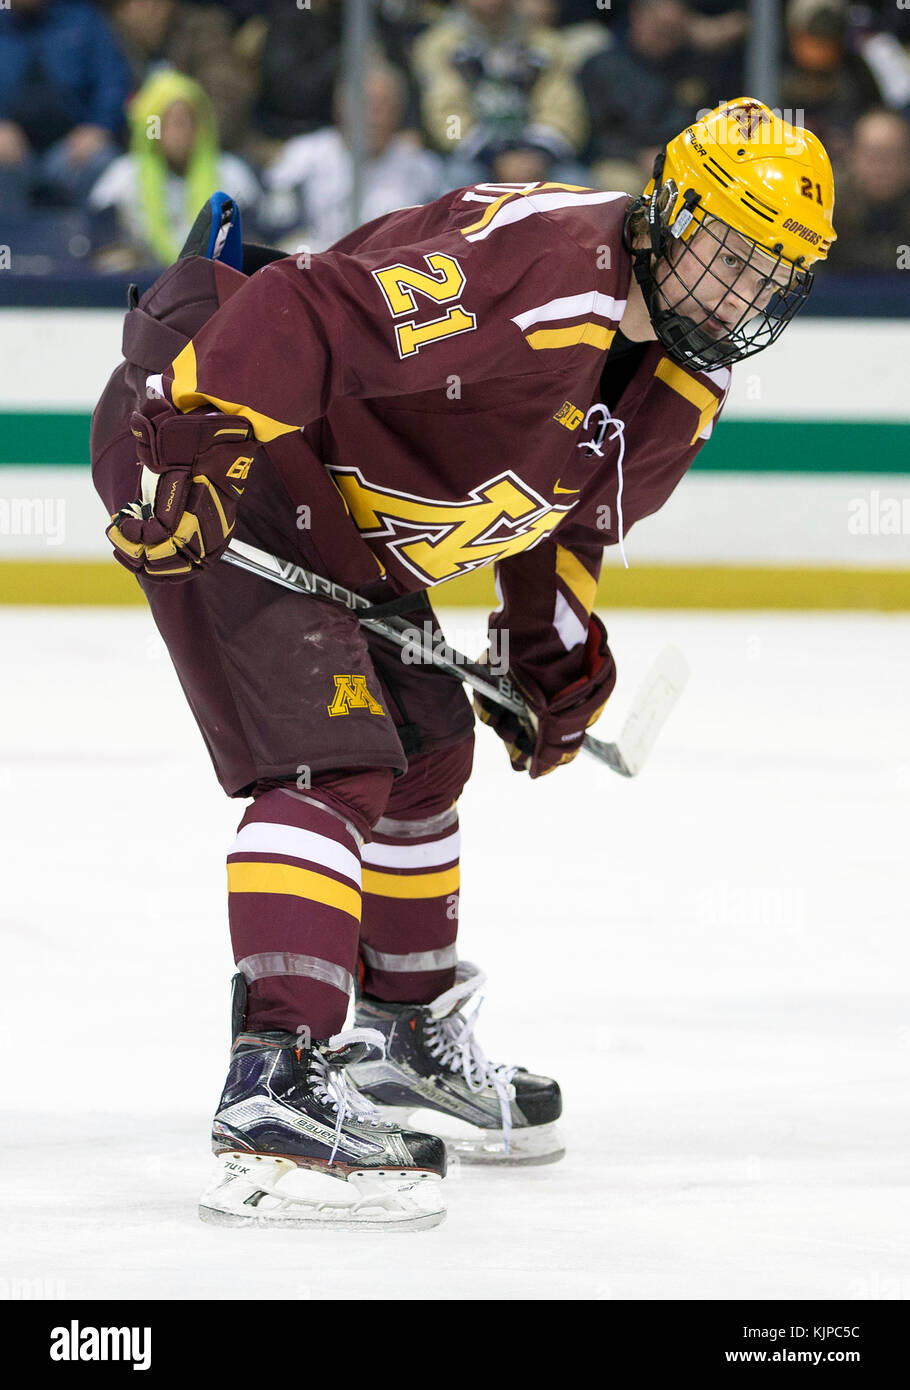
761 192
769 180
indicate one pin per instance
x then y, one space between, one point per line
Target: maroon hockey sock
294 907
410 908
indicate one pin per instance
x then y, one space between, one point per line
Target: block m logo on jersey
351 693
437 540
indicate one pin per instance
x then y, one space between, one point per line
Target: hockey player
510 376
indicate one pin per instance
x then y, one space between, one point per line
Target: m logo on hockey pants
351 693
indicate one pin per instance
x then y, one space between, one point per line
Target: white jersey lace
595 446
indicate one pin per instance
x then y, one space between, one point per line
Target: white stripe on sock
265 837
405 856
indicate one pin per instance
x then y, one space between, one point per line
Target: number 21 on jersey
400 285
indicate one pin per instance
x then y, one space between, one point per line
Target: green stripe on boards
51 439
807 446
45 438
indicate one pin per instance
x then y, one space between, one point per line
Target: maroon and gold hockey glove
193 472
555 728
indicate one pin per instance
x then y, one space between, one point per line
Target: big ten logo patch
569 415
351 693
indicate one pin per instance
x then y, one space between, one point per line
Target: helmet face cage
717 297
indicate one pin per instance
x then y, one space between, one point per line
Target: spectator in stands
173 167
399 23
872 35
644 89
196 40
720 26
579 36
497 95
311 180
716 27
825 85
299 60
873 195
63 84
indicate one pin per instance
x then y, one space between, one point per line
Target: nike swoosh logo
557 488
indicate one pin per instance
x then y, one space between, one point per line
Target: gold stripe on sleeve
185 396
591 334
575 577
684 385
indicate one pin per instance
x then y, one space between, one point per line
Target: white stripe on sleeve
526 206
573 306
571 630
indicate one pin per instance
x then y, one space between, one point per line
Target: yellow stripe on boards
822 588
684 385
591 334
576 578
411 885
260 877
186 396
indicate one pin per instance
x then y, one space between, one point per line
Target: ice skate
434 1074
296 1146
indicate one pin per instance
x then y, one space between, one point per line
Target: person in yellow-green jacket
173 164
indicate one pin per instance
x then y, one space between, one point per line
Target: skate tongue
331 1058
468 980
353 1045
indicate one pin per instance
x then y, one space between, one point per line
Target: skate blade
529 1145
259 1190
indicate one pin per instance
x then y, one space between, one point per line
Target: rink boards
801 499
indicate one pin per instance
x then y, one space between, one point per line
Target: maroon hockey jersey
443 363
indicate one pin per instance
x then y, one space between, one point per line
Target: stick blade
654 699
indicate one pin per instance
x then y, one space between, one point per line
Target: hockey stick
653 701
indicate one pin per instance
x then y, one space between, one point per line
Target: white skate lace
331 1086
451 1042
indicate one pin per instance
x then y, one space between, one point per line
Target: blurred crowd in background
119 118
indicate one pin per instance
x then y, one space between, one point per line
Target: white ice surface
712 959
